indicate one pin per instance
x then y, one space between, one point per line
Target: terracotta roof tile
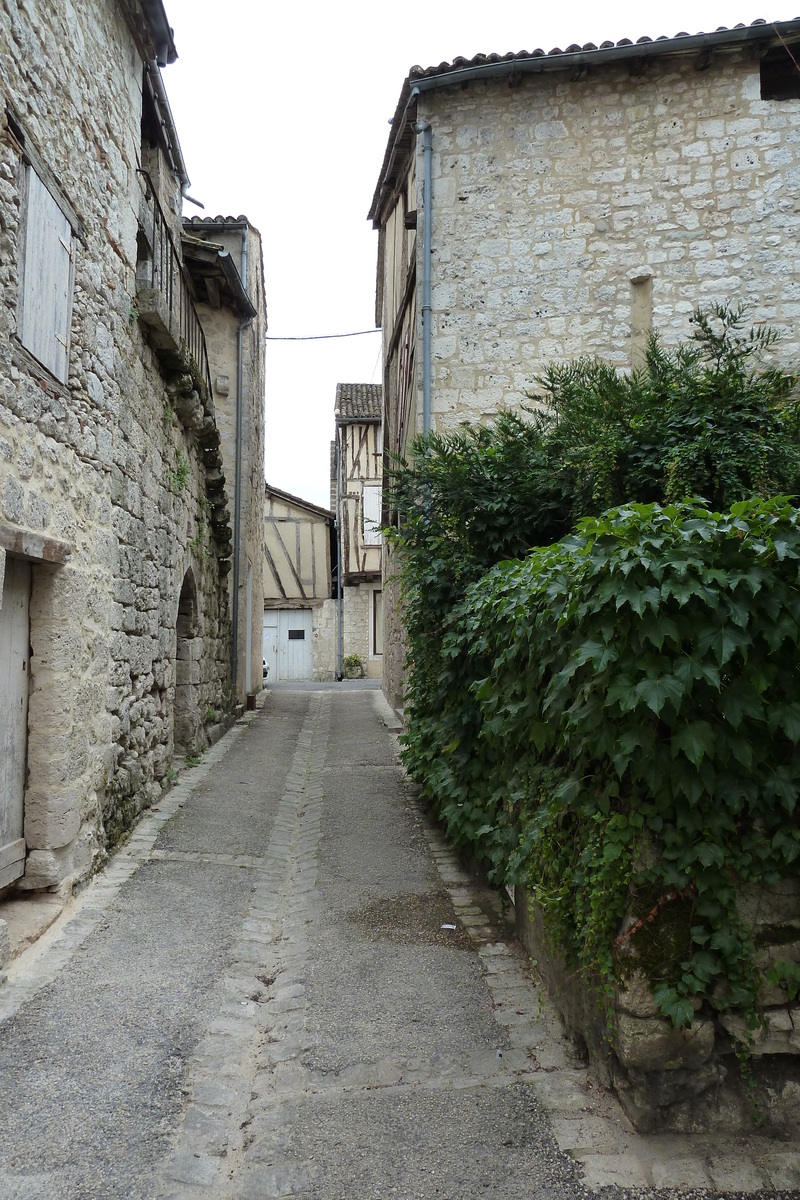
478 60
359 402
461 70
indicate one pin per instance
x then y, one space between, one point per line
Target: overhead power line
321 337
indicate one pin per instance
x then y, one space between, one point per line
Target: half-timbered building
356 495
299 624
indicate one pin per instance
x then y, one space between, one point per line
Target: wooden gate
14 666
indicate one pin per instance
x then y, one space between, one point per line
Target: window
780 73
296 635
45 310
371 493
377 622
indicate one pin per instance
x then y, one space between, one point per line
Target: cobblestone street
285 984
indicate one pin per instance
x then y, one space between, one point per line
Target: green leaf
696 740
677 1008
657 692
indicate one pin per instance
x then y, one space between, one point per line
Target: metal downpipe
237 500
424 127
339 553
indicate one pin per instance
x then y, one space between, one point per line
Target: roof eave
417 84
317 509
568 60
161 30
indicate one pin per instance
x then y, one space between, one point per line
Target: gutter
513 66
167 121
424 127
237 501
338 552
644 48
156 17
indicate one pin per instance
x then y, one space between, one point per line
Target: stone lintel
35 547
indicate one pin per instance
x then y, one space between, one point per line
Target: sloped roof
358 402
163 35
575 57
280 494
214 274
663 44
205 222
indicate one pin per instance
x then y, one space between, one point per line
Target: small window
46 293
297 635
780 73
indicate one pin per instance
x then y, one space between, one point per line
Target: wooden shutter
372 514
47 281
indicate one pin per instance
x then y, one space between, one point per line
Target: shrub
615 719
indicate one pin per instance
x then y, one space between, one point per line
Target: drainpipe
424 127
237 501
339 553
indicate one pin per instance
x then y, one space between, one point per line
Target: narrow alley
285 985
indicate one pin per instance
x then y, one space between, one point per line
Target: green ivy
614 719
622 722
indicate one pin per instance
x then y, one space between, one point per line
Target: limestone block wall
221 326
687 1080
563 210
394 645
324 633
100 462
356 636
572 215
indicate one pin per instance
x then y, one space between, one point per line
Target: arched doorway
188 653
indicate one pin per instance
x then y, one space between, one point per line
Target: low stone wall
686 1080
324 634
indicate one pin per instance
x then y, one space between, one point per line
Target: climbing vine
614 719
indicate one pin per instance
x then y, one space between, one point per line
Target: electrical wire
321 337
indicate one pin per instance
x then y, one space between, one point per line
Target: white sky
282 111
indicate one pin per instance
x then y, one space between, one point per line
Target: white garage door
294 644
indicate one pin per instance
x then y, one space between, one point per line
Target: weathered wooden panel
14 653
364 463
47 288
371 514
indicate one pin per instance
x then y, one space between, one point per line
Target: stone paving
374 1030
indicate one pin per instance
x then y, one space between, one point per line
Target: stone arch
187 724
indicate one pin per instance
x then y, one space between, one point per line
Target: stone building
356 498
116 536
574 201
299 619
224 261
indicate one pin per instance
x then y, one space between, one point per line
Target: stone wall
324 634
569 215
686 1080
102 462
356 627
394 643
221 328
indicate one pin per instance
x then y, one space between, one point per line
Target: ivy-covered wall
612 722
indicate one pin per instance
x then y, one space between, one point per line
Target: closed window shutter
47 286
372 514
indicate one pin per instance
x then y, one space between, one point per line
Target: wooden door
294 644
14 664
